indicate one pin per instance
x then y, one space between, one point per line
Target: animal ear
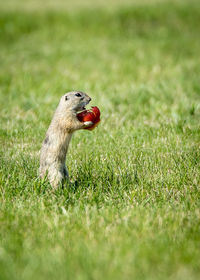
66 98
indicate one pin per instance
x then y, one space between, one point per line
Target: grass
133 209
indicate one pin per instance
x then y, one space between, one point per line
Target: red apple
96 112
92 115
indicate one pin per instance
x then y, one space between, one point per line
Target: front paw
88 124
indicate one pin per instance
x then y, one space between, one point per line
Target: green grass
133 208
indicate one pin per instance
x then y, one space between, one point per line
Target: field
133 208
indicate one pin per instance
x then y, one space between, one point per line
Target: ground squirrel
58 136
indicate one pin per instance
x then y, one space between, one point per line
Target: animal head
74 100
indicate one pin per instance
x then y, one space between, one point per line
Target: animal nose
90 99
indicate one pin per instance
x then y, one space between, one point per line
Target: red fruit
96 112
90 115
86 116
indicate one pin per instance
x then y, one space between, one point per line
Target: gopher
58 136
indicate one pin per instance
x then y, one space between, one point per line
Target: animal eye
78 94
66 98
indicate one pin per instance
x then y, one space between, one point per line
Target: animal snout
89 99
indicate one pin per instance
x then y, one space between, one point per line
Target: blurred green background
133 209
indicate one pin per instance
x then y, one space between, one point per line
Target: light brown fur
58 136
